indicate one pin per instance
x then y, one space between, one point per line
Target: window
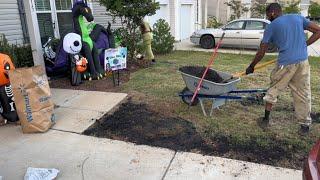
235 25
63 4
254 25
42 5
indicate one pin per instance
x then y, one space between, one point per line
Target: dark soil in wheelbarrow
139 124
198 71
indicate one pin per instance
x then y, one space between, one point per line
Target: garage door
162 13
186 20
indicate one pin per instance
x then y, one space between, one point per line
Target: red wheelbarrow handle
211 60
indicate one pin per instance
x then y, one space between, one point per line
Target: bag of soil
33 99
7 105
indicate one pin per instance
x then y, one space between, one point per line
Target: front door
186 21
54 18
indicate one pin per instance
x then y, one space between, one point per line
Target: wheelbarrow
218 93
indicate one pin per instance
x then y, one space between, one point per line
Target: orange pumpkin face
81 65
5 66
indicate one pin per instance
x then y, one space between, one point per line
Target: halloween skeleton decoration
7 105
5 66
72 45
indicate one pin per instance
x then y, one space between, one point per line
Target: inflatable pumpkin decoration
5 66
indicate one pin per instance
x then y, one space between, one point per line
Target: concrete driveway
186 45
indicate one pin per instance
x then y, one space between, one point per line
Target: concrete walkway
186 45
83 157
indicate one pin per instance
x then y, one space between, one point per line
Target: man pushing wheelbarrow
292 69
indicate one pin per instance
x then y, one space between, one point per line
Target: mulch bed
105 84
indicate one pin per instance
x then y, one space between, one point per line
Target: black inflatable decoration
7 105
80 11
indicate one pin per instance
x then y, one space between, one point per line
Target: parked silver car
244 33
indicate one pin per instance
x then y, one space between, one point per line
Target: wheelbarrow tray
209 87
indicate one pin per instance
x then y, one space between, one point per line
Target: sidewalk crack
165 173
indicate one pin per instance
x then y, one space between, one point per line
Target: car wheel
207 42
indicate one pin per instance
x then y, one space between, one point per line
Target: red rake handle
211 60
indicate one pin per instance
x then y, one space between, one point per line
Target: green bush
162 39
21 55
213 22
314 10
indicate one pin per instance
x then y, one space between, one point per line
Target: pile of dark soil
198 71
138 123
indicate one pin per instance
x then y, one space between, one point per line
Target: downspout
197 15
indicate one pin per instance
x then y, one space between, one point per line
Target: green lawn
233 124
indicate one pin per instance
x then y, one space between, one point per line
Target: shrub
314 10
21 55
213 22
162 39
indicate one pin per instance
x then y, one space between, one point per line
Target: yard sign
115 59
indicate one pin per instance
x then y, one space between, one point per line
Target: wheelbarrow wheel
187 99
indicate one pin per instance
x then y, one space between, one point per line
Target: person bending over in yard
147 37
292 69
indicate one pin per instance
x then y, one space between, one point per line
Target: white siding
10 24
220 12
100 16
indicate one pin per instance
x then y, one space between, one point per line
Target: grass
234 125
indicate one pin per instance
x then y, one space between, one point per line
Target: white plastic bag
40 174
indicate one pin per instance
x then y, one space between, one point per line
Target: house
222 12
33 21
183 16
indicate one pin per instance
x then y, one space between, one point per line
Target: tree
258 10
237 8
212 22
130 12
292 8
314 10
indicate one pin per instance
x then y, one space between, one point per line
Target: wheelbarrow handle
259 66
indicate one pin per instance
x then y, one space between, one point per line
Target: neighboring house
222 12
183 16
